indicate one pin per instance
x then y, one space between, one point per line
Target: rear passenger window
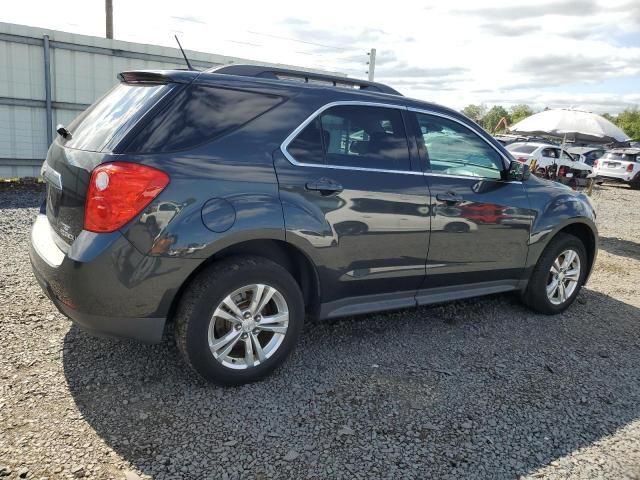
198 114
366 137
307 146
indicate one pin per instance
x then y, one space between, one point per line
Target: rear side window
197 114
307 146
368 137
93 129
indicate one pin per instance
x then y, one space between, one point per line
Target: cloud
570 8
558 69
402 69
510 29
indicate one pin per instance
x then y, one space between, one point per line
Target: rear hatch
93 136
522 152
615 163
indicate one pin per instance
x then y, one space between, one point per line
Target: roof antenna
184 54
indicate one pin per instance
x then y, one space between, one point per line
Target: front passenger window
454 149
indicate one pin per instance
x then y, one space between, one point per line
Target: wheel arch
579 228
589 239
278 251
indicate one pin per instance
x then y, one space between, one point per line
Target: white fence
48 77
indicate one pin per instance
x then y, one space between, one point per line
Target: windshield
521 148
93 129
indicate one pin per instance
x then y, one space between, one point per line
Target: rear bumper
625 177
103 284
148 330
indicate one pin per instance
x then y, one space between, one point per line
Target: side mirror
518 171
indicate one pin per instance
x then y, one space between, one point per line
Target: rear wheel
239 320
558 276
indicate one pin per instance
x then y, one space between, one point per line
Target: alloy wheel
248 326
564 276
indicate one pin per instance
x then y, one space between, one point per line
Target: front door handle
450 198
324 186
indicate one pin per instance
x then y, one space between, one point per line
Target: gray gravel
473 389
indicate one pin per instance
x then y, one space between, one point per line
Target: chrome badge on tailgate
51 176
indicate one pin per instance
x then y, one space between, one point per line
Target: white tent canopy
573 125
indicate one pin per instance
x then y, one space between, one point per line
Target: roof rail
264 71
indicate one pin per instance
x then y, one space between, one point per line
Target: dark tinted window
369 137
93 129
627 157
198 114
307 146
454 149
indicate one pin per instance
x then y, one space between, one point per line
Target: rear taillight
118 192
522 160
595 163
562 171
630 167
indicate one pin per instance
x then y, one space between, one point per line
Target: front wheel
239 320
558 276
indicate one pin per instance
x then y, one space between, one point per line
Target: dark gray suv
233 203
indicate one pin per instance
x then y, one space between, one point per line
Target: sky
582 54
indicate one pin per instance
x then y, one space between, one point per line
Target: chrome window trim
473 129
294 134
505 160
310 118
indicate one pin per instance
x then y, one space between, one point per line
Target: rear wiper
63 132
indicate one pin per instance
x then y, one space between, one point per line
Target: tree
520 112
493 116
474 112
629 121
609 117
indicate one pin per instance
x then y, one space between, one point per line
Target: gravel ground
473 389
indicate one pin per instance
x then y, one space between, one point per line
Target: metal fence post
47 89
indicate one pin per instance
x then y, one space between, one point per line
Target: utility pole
372 63
108 7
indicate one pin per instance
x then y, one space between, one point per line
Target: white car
541 155
620 164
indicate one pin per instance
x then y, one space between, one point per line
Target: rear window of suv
625 157
198 114
93 129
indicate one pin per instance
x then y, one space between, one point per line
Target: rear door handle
324 186
449 197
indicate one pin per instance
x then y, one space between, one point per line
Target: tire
635 185
202 319
536 295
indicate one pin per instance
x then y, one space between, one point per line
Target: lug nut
247 314
244 335
258 318
238 327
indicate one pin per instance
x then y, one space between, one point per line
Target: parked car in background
587 154
541 156
508 138
234 203
621 165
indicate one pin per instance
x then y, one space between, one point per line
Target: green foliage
629 121
474 112
520 112
493 116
